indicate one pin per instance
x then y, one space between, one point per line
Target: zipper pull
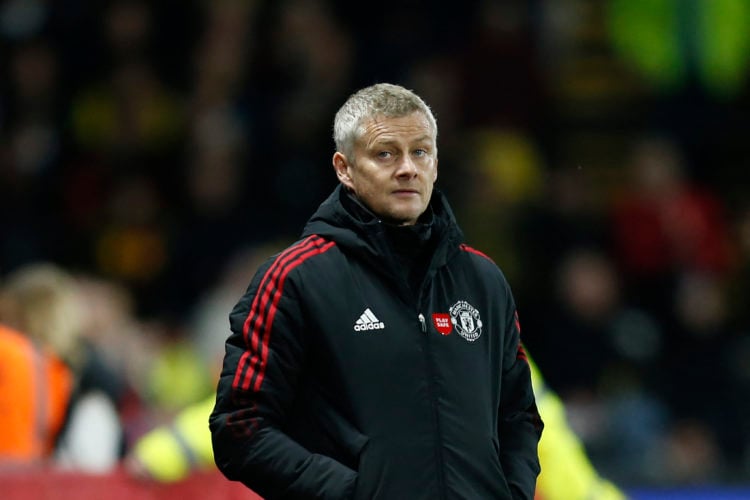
423 323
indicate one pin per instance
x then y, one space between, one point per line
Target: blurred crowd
152 152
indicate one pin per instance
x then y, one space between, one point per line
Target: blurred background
152 152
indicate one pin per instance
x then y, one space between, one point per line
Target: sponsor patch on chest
442 322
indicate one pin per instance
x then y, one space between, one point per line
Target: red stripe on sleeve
274 306
255 358
260 317
252 343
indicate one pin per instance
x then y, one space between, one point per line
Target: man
378 357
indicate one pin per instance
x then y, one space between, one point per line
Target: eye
420 153
385 155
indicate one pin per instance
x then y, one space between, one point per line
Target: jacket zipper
435 412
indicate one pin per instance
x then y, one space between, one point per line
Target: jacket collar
343 219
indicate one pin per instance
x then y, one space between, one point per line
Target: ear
434 175
341 166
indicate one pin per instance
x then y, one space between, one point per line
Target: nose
406 167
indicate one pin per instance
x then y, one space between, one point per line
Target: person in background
35 390
41 300
379 356
567 473
171 452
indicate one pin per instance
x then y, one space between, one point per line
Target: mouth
405 192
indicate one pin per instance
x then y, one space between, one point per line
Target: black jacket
341 380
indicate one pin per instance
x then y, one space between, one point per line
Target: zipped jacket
342 381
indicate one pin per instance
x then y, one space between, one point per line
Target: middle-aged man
379 356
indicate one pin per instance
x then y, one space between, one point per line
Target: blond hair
41 300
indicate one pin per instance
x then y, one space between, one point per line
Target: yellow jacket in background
169 453
567 473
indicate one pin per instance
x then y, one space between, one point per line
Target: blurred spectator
567 473
34 110
172 451
41 300
131 112
692 454
125 345
588 296
35 389
178 375
604 378
663 223
30 153
504 170
673 244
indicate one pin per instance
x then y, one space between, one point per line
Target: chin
402 215
404 219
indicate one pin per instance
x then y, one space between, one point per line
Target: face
394 167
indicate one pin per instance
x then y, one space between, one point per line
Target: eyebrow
425 138
388 142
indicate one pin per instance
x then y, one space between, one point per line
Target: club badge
466 320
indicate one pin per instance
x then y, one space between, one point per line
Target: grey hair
381 99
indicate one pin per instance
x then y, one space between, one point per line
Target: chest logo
442 322
368 321
466 319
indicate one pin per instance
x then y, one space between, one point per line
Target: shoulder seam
467 248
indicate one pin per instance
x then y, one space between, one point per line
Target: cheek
365 187
364 183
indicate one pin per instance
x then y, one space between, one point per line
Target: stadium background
597 150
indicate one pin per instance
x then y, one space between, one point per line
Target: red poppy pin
442 322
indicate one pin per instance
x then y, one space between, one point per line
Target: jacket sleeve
262 364
520 426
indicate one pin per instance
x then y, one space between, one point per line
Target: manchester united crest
466 320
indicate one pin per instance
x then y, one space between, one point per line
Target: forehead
412 127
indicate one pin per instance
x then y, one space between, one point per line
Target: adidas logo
368 321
